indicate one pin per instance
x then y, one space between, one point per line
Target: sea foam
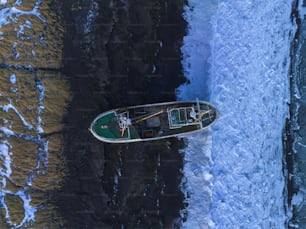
248 81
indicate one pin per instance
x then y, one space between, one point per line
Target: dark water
77 59
296 129
131 55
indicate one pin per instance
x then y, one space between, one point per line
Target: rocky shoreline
129 54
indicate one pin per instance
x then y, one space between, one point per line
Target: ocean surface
245 57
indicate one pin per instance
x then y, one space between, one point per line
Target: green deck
112 130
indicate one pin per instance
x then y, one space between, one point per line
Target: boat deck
155 121
108 127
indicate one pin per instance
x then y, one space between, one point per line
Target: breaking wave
237 55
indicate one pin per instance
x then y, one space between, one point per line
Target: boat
153 121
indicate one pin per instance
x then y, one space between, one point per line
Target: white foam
5 157
7 131
41 89
248 81
297 199
3 2
29 214
9 106
13 79
251 52
91 16
196 49
12 14
5 173
196 52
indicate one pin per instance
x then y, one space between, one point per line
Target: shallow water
33 100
